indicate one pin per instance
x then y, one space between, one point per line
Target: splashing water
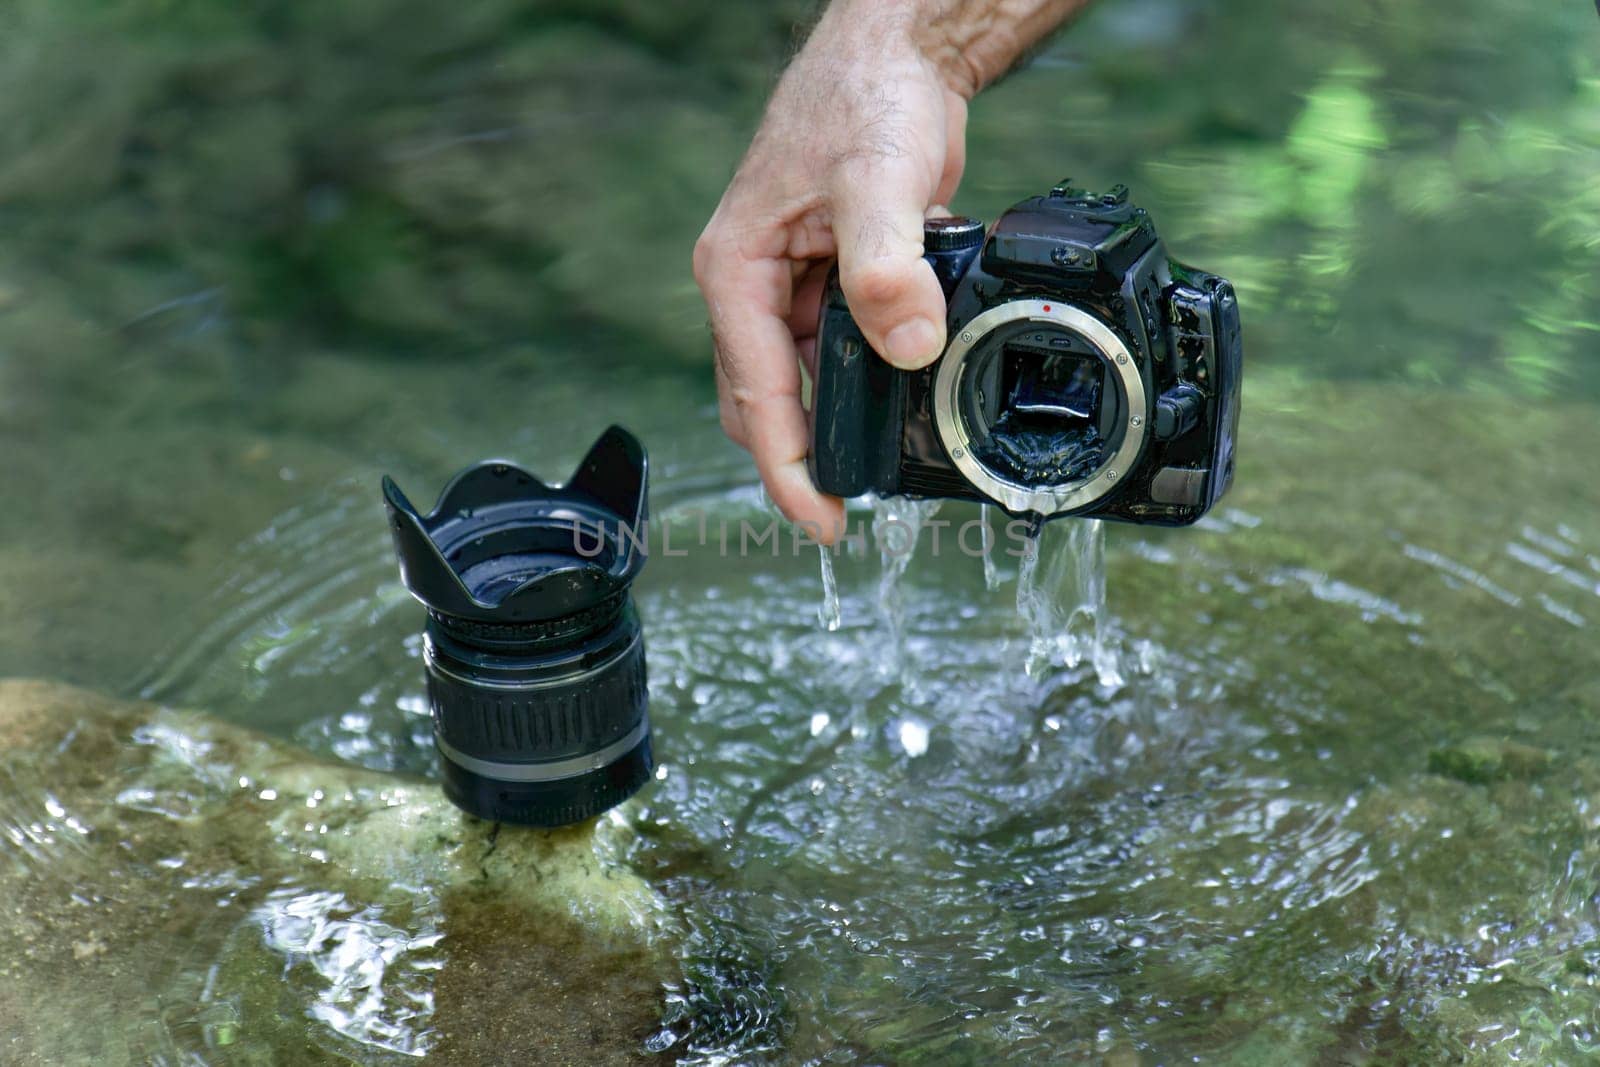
1061 596
1061 589
365 978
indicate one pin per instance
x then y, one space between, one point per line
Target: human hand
861 137
864 136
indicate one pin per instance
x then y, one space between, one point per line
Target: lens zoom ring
552 722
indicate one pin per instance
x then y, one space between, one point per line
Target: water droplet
913 738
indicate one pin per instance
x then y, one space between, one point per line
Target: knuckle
732 423
875 282
704 258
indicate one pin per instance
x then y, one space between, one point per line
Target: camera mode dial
950 234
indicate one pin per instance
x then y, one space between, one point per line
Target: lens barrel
542 724
533 650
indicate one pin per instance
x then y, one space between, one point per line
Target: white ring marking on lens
548 770
951 428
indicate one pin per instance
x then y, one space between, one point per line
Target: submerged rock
1481 760
255 905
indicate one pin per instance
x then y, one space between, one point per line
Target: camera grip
841 403
858 401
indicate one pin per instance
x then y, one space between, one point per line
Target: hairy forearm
972 42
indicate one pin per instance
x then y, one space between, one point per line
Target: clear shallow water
1268 816
937 852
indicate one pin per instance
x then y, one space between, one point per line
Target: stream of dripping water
1061 598
829 614
1061 589
897 524
991 545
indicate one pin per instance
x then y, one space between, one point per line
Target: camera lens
532 647
540 724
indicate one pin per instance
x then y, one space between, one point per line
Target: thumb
892 292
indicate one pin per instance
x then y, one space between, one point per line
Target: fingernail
914 343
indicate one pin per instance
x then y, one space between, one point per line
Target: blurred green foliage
1401 190
389 172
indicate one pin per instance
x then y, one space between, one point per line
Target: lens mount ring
951 427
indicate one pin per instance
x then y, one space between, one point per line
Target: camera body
1086 373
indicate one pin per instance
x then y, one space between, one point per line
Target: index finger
749 301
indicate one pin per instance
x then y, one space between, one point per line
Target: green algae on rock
1481 760
264 907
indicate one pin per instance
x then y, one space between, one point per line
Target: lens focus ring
552 721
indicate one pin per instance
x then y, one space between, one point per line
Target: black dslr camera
1086 373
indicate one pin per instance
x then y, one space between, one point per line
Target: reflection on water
364 979
306 616
1313 781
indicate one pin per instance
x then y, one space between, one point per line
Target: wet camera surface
1087 373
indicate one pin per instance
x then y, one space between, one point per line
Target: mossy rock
247 903
1481 760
